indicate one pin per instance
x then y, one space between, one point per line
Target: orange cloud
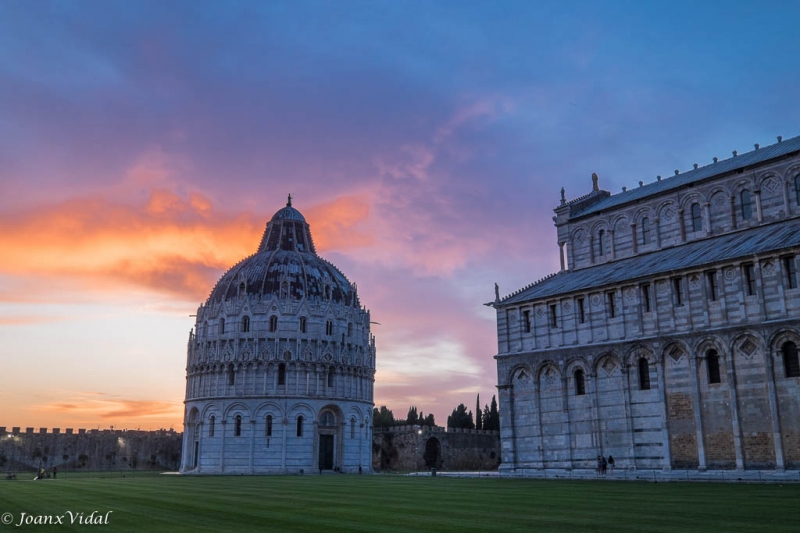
104 407
169 244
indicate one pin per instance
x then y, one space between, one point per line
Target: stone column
538 397
757 194
224 423
252 444
625 370
661 370
735 427
596 412
565 403
786 205
284 429
773 411
613 244
508 444
657 223
707 217
698 415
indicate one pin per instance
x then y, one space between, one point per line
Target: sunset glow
144 146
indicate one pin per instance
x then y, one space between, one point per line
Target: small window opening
237 431
697 218
644 374
526 316
300 426
677 291
281 374
790 360
269 425
711 283
245 324
645 231
211 423
790 268
302 324
646 297
553 316
749 278
712 364
581 311
612 311
580 385
747 205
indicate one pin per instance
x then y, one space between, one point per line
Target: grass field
151 502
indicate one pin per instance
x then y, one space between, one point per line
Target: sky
144 146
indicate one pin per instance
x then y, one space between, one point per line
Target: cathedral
669 338
280 365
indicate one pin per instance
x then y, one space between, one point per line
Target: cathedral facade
669 339
280 365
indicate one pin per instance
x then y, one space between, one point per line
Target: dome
286 265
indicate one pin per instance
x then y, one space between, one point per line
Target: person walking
611 463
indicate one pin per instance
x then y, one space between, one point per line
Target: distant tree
429 421
491 416
478 417
412 418
461 418
383 418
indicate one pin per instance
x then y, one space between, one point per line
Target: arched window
349 329
237 430
221 326
712 364
580 385
352 428
797 188
327 293
790 362
245 324
269 425
601 235
273 323
300 426
645 231
281 374
211 422
644 374
747 205
231 375
697 218
331 373
328 327
242 288
302 324
327 419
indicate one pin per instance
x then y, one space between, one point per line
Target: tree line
487 418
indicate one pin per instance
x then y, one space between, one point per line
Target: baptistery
280 365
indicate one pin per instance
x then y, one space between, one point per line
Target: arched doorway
328 435
433 453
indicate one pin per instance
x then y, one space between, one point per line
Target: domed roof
286 265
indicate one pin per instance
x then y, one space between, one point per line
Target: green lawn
396 503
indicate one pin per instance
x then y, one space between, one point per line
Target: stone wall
94 449
408 448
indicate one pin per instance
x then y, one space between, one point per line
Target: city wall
410 448
93 449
